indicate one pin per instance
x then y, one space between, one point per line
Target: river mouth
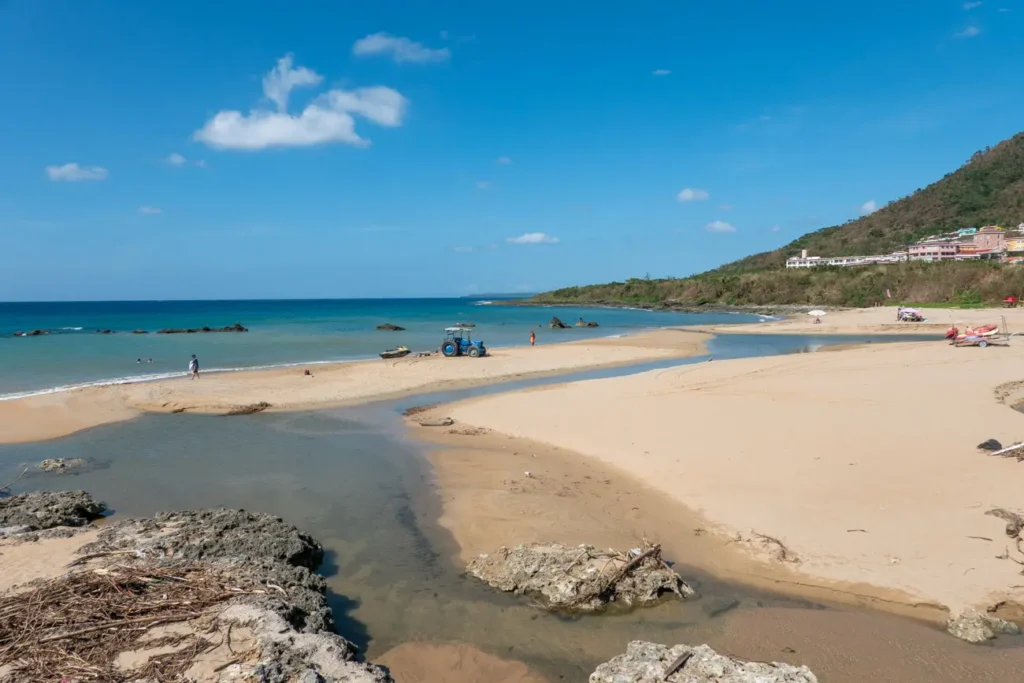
351 479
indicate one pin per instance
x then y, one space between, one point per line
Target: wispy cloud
483 184
150 210
971 5
175 159
776 228
329 118
969 32
74 172
279 82
533 238
503 160
719 226
462 250
401 50
725 207
868 207
691 194
201 163
661 72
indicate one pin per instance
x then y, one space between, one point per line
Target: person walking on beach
533 338
193 367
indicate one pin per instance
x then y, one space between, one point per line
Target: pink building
934 251
990 238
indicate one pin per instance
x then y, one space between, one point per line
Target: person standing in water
533 338
193 367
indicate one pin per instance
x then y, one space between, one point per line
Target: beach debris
584 323
990 445
47 509
440 422
196 595
6 488
646 662
388 327
1014 451
580 578
416 410
62 465
248 409
556 323
237 327
976 627
773 546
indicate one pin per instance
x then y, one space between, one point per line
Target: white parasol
817 313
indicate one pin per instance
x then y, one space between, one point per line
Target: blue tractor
457 342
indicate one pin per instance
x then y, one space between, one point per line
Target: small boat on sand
399 352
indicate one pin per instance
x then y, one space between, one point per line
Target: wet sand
52 415
487 501
452 663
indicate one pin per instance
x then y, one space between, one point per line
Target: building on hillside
965 232
936 250
1014 244
805 261
990 237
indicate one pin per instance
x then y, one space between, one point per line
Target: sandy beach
861 463
52 415
878 320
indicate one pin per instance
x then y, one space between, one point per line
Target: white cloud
328 118
719 226
969 32
401 50
504 160
971 5
73 172
151 210
689 194
776 228
463 250
868 207
175 159
661 72
725 207
533 238
201 163
279 81
483 184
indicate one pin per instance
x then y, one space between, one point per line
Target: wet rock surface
237 327
652 663
45 510
556 323
388 327
978 627
62 465
580 578
585 323
249 409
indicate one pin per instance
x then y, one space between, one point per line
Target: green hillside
987 190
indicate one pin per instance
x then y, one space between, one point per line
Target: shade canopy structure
817 313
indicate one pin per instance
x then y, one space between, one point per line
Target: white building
805 261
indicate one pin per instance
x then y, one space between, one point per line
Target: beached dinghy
399 352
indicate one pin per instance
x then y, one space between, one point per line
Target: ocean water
280 333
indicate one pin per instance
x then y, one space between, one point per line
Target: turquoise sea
281 332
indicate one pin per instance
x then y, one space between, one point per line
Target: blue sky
355 149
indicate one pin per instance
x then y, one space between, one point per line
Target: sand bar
53 415
863 462
877 320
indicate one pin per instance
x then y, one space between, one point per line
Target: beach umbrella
817 313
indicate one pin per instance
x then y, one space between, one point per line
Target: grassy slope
988 189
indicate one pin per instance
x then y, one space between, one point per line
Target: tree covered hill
987 190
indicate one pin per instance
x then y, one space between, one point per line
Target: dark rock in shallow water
583 323
62 465
556 323
651 663
47 509
141 332
975 627
237 327
33 333
388 327
104 332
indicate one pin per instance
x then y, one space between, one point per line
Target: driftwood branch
118 624
676 665
7 487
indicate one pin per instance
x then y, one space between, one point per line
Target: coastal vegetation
987 190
